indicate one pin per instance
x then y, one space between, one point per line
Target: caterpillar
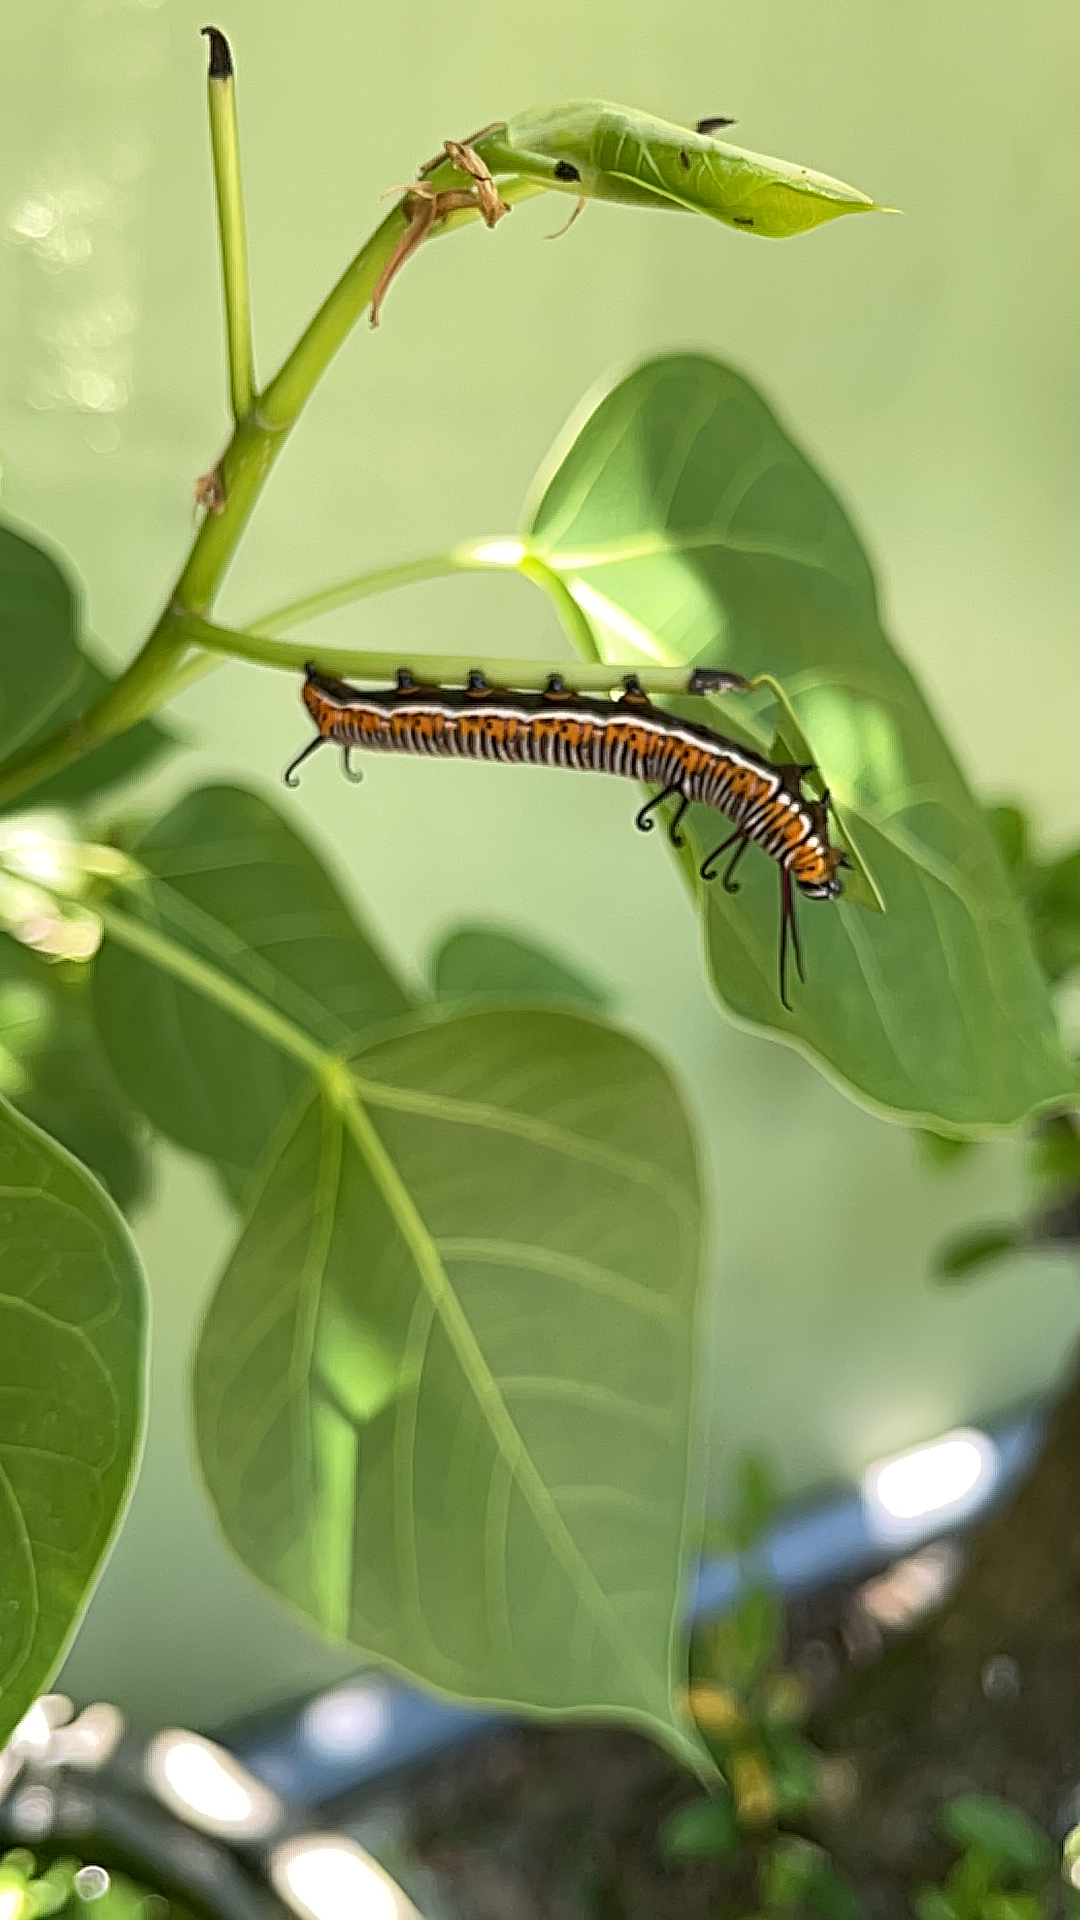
630 737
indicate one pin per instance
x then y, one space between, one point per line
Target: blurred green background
931 364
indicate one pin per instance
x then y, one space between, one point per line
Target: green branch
137 692
225 146
509 555
263 421
243 471
574 619
478 557
294 383
432 669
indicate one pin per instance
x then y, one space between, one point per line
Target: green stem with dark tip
433 669
244 469
225 145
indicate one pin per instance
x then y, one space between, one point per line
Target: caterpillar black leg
289 775
729 883
354 775
789 926
708 865
674 835
641 818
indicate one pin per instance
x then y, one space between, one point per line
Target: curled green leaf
603 152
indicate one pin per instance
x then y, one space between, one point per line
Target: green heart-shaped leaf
443 1394
71 1386
689 527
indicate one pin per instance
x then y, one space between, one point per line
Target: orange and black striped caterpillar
559 728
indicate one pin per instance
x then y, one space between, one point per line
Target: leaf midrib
525 1126
435 1282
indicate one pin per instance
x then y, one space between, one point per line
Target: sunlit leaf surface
443 1393
690 528
71 1359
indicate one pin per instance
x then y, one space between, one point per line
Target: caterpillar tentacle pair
629 737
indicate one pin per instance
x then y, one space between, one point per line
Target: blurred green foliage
1049 890
750 1708
69 1887
1007 1869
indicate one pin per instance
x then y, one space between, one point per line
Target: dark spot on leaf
684 157
742 220
710 125
565 171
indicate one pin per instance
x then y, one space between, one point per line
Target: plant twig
437 669
225 146
241 474
476 556
296 379
574 619
135 694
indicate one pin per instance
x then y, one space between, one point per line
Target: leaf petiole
151 944
434 669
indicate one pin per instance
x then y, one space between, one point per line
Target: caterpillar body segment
629 737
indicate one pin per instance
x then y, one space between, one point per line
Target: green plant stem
243 471
509 555
343 1088
187 674
362 586
225 146
574 619
123 705
292 385
256 444
449 669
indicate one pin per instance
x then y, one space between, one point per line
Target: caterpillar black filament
629 737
